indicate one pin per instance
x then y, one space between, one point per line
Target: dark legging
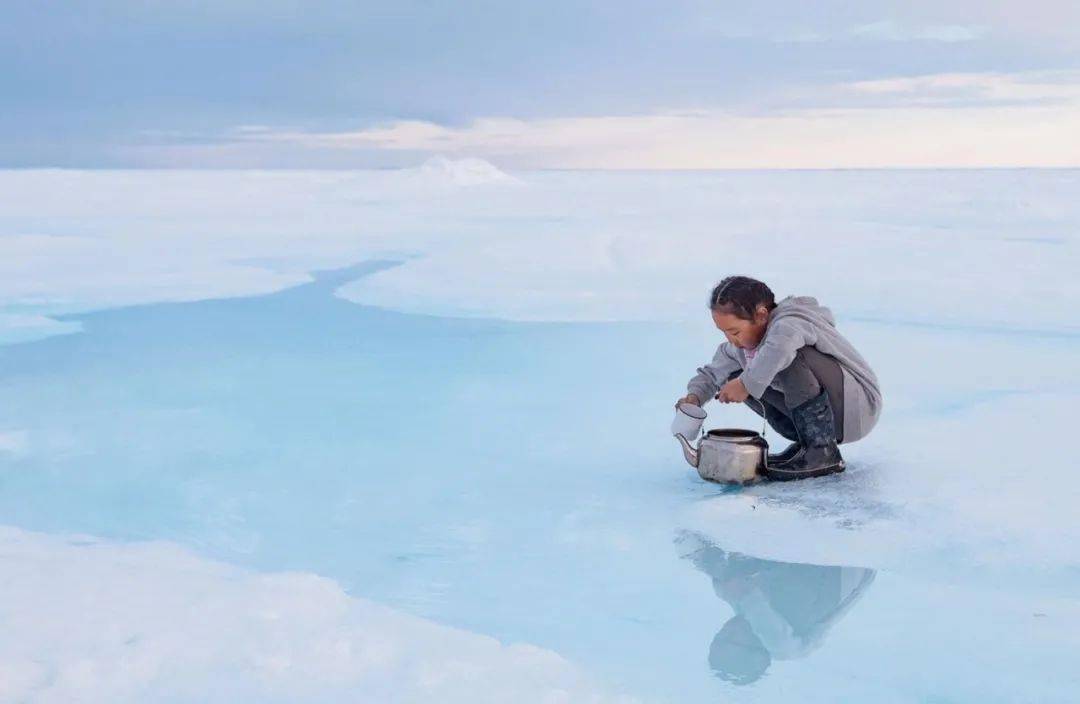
803 379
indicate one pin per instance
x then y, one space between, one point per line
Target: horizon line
729 169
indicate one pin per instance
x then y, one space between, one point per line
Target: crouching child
788 362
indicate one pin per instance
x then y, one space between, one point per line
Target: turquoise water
516 480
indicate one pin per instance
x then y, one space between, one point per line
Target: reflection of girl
810 383
782 609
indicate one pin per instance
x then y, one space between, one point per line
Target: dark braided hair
740 296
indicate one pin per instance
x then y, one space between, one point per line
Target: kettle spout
688 450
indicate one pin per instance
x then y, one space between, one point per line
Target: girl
805 378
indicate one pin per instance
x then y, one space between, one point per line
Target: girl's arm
776 352
713 375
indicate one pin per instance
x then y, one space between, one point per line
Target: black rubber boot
782 425
784 456
818 454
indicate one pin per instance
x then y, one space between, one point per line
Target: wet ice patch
94 621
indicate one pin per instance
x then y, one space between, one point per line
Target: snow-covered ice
416 421
101 622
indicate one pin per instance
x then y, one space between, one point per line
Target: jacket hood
806 307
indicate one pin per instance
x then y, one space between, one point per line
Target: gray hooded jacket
795 322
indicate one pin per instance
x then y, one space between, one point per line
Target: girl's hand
733 392
689 398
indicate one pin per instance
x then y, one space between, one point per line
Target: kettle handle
764 421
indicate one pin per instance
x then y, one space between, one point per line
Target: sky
552 85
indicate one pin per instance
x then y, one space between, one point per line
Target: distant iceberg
461 172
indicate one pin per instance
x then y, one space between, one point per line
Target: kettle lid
735 435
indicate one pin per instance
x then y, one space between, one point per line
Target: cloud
888 30
939 120
333 66
1048 24
883 30
1032 88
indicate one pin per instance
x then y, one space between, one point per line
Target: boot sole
786 475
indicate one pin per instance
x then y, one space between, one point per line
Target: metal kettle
727 455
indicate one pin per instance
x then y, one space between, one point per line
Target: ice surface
513 477
647 246
919 246
149 622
